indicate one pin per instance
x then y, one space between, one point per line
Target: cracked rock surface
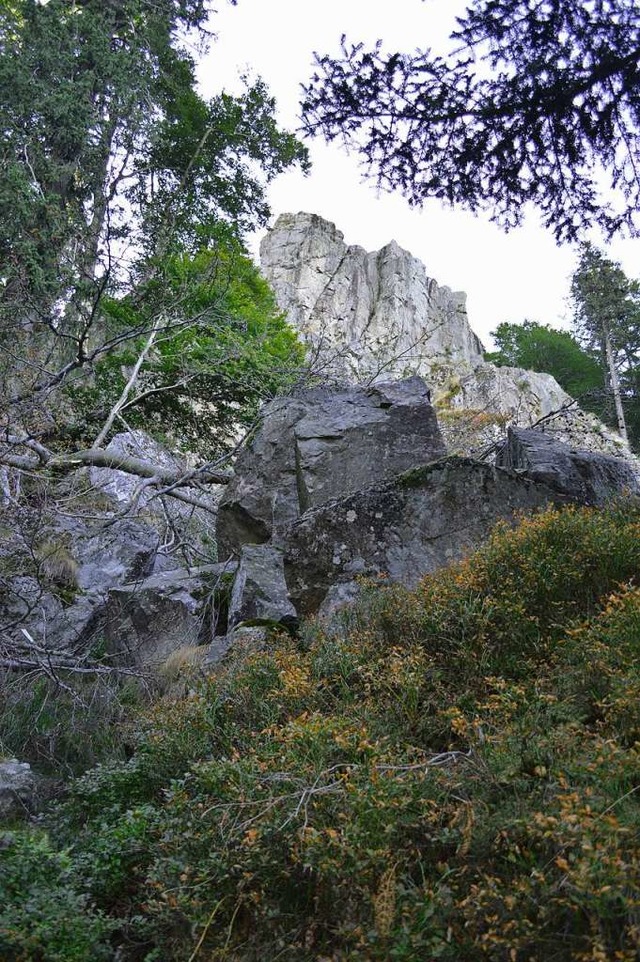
404 528
371 316
324 443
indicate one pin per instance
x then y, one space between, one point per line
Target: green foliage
112 165
538 347
606 317
451 773
102 114
225 348
43 916
533 103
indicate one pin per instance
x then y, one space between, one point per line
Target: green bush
43 916
451 774
67 724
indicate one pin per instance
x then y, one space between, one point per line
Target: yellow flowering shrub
451 774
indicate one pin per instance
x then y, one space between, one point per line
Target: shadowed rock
404 528
322 444
584 476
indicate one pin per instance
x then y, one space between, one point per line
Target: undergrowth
449 773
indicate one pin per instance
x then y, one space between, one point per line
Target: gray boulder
120 491
18 790
403 528
260 590
583 476
97 530
321 444
145 622
61 571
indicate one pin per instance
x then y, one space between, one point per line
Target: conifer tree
536 100
607 317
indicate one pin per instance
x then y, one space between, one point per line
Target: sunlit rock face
371 315
377 316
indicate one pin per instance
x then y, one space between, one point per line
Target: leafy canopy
116 176
204 379
538 98
538 347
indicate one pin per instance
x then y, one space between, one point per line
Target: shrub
65 723
450 774
43 916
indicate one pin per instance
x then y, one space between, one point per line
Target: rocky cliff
341 483
376 316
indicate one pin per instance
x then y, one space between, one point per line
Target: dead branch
31 664
101 458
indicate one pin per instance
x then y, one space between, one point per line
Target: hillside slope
449 772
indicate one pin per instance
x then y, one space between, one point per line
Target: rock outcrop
321 444
371 315
339 481
110 575
340 484
375 316
404 528
582 476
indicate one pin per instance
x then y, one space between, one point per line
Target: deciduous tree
539 347
114 172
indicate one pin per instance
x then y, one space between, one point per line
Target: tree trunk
615 382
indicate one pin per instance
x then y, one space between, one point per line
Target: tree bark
614 382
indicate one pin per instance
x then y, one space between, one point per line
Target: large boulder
404 528
324 443
584 476
144 622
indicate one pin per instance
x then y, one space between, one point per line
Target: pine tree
607 318
537 98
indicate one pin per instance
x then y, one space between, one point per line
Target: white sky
507 277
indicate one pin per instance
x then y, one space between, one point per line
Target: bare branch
122 400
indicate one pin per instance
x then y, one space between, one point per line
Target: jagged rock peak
368 314
378 316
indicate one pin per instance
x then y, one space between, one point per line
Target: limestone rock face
403 528
370 314
324 443
522 396
583 476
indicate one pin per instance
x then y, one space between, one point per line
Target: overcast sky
507 277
